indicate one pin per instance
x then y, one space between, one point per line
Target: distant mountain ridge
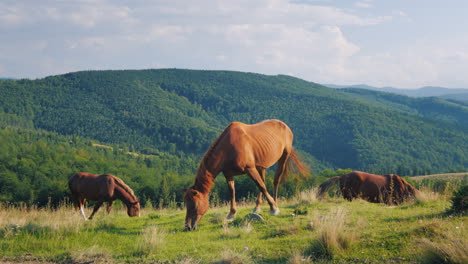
460 94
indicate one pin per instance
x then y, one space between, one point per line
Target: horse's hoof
257 210
275 212
230 218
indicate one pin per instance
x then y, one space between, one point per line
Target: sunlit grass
355 232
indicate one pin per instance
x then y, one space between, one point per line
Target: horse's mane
200 179
125 187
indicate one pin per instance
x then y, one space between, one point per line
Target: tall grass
298 258
61 218
151 240
426 195
332 237
452 248
307 196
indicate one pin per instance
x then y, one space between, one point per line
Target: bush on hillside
460 199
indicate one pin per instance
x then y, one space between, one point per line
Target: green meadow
308 230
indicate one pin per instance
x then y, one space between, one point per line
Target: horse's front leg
232 191
96 208
109 206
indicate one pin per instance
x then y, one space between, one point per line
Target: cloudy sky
400 43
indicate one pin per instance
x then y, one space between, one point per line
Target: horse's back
262 143
90 185
366 185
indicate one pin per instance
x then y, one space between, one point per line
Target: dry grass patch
307 196
151 240
332 237
452 250
426 195
232 257
441 244
93 254
298 258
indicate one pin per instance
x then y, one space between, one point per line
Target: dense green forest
55 126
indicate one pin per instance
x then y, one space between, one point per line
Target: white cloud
363 4
307 38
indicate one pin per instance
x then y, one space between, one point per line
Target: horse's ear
194 192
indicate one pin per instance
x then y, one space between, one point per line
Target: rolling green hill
182 111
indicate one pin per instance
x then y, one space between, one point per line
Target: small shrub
300 210
460 199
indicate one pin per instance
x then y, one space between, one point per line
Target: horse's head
197 204
133 209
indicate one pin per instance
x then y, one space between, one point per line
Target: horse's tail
326 185
294 162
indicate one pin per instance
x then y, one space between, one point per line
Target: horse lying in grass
101 188
390 189
242 149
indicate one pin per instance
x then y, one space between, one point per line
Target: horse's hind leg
96 208
253 173
257 208
280 171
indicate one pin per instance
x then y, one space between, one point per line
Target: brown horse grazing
241 149
101 188
390 189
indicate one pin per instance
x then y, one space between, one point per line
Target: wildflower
246 248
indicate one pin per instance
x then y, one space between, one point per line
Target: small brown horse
101 188
242 149
389 189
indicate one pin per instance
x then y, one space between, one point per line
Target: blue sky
400 43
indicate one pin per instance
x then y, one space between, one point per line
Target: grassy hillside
182 111
307 231
443 176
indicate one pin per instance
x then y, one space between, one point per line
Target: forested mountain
176 114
